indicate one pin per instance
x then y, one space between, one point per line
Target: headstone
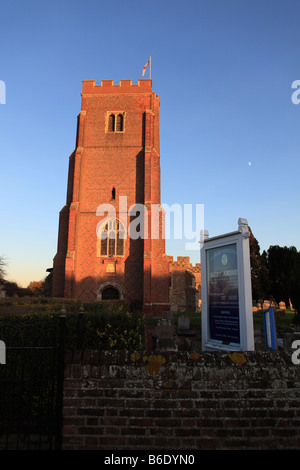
169 317
291 305
183 322
282 306
184 326
165 336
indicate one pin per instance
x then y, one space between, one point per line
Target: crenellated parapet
108 86
184 262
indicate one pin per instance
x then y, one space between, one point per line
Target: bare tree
3 265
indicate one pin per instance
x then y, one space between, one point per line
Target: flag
144 69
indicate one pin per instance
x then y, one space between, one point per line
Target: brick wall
180 400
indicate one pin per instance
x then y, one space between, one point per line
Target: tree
265 279
284 273
2 267
259 271
37 287
11 288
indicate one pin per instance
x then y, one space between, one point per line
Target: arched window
111 123
111 237
115 121
119 127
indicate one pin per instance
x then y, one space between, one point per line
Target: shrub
106 325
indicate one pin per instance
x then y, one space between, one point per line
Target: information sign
226 291
223 302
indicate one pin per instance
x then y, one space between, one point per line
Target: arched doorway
110 293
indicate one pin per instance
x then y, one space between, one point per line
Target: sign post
227 320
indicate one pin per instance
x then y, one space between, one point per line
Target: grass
195 317
282 317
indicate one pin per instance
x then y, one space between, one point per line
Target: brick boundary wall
116 400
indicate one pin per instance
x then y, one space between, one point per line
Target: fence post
80 328
60 381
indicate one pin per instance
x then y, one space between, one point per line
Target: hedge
106 325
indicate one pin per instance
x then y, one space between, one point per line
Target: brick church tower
114 173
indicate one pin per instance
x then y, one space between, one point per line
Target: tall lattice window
111 237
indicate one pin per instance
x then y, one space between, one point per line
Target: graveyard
177 331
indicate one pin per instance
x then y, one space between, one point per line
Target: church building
111 230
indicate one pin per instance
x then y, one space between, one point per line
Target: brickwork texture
181 401
109 163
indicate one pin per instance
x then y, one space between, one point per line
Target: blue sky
223 70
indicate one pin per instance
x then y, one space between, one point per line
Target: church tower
111 230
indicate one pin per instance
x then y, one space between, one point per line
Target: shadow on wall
93 289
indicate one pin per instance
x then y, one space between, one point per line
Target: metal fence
31 385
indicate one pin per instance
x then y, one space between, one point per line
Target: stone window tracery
111 238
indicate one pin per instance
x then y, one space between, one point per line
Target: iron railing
31 385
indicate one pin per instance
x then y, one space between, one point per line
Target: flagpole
150 67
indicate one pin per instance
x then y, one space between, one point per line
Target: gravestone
169 317
183 322
184 326
291 305
165 336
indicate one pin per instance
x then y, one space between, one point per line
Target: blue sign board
270 329
223 301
